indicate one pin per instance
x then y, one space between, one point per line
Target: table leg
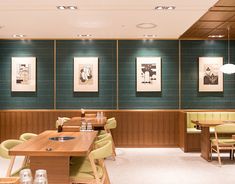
205 143
57 168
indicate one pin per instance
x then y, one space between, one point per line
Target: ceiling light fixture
66 7
84 35
146 25
164 8
215 36
149 36
228 68
18 35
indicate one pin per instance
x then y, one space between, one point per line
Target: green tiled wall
168 97
106 98
106 52
191 98
43 97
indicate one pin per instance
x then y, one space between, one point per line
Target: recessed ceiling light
72 7
66 7
60 7
164 7
18 35
215 36
84 35
146 25
149 36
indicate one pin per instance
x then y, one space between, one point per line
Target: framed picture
210 76
86 74
23 74
148 74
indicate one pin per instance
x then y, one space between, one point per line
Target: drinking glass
41 177
26 176
89 126
83 126
98 115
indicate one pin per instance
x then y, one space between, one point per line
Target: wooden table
76 121
54 156
205 136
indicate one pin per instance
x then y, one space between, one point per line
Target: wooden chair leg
218 152
10 166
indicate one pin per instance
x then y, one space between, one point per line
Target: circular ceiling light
18 36
146 25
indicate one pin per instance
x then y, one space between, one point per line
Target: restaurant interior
117 92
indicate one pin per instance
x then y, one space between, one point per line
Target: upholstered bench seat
206 116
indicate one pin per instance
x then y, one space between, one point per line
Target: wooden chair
111 124
90 115
71 128
27 136
92 170
223 143
5 146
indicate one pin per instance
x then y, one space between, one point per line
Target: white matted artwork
86 74
148 74
23 74
210 76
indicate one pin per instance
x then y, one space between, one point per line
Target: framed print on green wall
210 76
148 74
86 74
23 74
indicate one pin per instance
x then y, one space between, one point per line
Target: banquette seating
192 134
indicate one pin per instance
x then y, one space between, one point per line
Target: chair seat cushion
80 167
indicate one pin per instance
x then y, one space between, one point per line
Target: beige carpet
161 166
166 166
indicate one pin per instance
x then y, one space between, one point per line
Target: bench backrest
208 116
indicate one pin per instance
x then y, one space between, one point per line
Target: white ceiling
115 19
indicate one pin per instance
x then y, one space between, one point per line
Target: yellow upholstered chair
92 170
222 142
27 136
5 146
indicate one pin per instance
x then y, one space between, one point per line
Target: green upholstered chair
92 170
27 136
222 142
5 146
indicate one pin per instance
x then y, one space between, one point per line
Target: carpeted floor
161 166
167 166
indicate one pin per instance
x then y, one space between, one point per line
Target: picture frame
86 74
148 74
210 76
23 74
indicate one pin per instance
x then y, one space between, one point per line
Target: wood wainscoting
136 128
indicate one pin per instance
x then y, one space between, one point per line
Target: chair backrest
225 128
5 146
74 121
103 139
27 136
90 115
111 124
102 152
71 129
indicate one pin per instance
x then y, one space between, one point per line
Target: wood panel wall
136 128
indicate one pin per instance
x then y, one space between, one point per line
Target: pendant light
228 68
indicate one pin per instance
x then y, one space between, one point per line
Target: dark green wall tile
106 52
191 98
43 97
168 51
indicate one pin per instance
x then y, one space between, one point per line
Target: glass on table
26 176
89 126
83 126
40 177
